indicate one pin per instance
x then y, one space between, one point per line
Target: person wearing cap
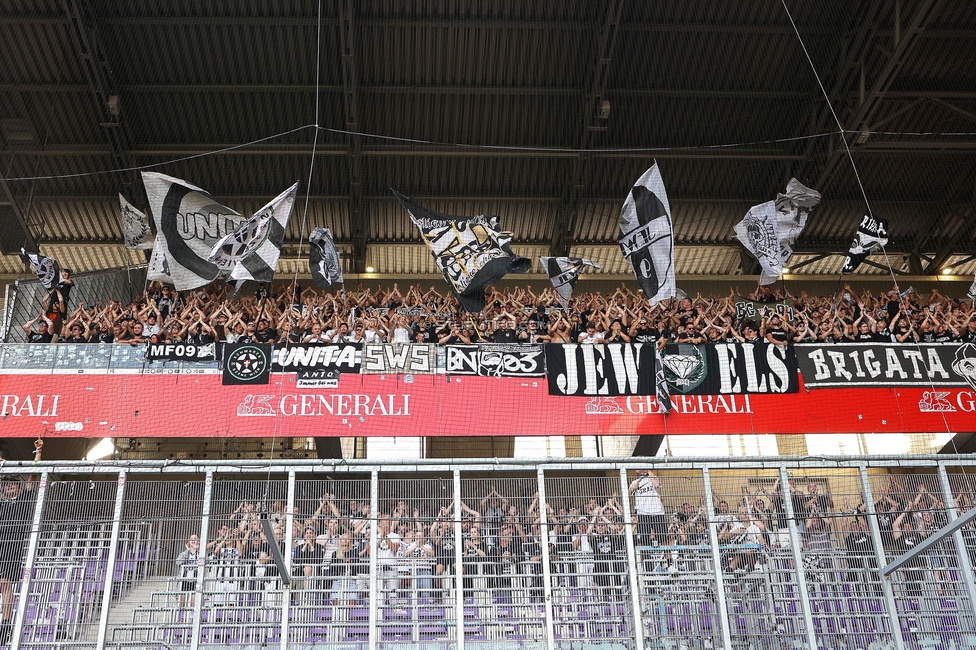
43 334
15 517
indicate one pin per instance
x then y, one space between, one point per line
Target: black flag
247 363
871 235
46 268
471 252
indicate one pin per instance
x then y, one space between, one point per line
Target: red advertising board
197 405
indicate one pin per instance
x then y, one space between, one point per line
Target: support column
801 578
202 561
27 575
374 504
723 612
113 552
458 564
632 562
546 570
962 556
879 557
286 588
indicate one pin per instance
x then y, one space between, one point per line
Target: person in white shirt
387 548
652 525
373 332
591 335
402 332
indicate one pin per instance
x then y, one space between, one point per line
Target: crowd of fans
415 544
292 314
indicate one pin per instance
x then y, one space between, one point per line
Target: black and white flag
663 395
972 290
135 227
647 237
563 273
48 271
251 252
323 260
770 229
471 252
871 235
189 222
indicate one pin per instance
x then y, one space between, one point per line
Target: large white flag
252 251
563 272
972 290
770 229
135 227
189 222
647 236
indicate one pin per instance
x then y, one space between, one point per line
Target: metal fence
602 553
24 298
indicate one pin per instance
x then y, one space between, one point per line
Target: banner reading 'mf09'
887 364
607 369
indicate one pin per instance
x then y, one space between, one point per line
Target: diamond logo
686 369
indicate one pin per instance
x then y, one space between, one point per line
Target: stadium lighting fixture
370 269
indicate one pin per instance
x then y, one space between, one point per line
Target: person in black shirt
43 333
643 332
75 334
608 564
774 331
103 334
504 333
969 334
308 556
860 556
864 333
905 538
265 333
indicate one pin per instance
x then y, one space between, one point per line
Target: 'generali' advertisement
439 405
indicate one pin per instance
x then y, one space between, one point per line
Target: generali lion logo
598 405
935 402
256 405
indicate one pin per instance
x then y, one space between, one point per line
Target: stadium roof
543 112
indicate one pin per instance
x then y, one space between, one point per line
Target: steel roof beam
350 99
561 237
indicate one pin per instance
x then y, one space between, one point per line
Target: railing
103 541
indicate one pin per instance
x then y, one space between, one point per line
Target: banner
730 368
246 363
89 405
343 358
181 352
887 364
399 358
608 369
317 379
495 360
746 309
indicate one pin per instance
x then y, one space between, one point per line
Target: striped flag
563 272
252 250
